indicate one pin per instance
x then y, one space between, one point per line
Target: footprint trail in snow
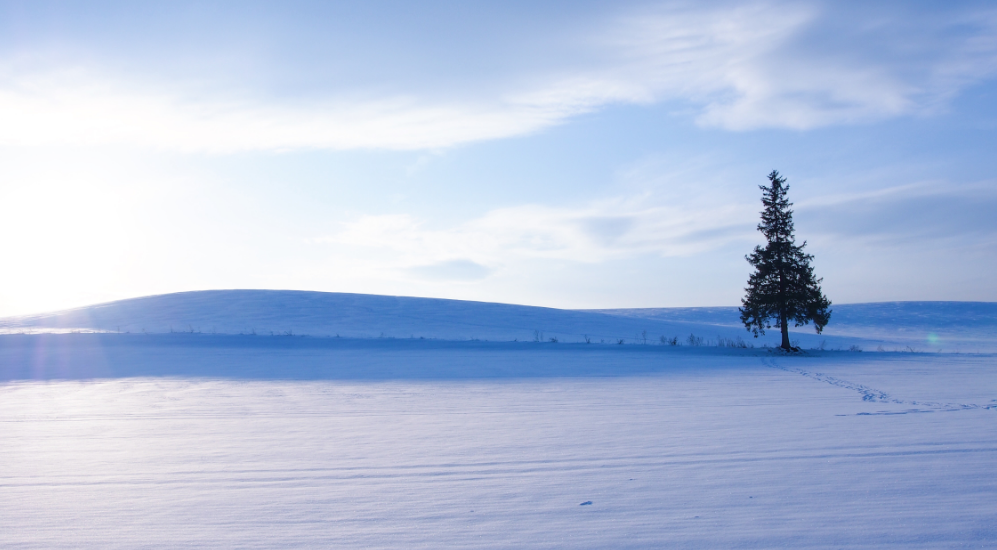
873 395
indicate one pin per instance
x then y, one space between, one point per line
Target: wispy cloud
78 108
451 270
781 65
916 215
738 66
587 234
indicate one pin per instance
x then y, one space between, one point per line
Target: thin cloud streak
590 234
922 214
73 108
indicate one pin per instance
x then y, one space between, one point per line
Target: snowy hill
952 326
353 315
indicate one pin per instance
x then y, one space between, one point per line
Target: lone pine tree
783 287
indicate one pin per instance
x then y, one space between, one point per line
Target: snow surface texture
922 326
173 441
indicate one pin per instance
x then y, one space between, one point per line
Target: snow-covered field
200 440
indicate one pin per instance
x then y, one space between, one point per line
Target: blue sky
568 154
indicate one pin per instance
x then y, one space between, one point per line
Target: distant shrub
732 343
694 340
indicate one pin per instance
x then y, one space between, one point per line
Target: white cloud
741 66
766 65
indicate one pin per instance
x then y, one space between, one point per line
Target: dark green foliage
783 287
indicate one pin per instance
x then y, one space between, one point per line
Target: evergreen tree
783 287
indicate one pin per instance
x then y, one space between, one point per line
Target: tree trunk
783 317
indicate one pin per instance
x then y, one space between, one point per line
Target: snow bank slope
356 315
924 326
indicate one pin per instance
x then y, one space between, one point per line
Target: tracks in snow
873 395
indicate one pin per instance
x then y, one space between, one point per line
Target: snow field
498 446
